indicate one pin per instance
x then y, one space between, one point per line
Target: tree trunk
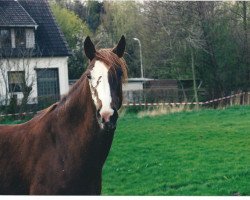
194 80
245 48
216 88
26 93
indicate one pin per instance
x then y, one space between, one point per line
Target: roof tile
13 14
50 40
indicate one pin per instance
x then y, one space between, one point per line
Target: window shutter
30 38
13 39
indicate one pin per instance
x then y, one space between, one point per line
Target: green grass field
203 152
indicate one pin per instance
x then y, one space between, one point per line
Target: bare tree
182 35
19 62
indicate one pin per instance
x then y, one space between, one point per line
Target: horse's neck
83 133
76 131
79 108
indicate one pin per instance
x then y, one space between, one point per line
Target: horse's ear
120 48
89 48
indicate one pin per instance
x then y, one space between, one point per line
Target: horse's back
7 130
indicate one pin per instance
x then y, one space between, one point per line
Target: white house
134 84
133 88
33 51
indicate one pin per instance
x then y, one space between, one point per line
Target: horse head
106 72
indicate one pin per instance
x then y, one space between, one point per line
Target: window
5 40
20 37
48 90
16 81
48 82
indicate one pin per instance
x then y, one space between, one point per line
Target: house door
47 86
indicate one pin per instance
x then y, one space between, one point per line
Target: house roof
14 15
50 41
49 37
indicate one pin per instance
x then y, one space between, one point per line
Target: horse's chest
98 149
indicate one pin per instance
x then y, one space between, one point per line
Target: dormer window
17 38
20 37
5 38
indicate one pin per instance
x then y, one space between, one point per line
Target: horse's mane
112 60
104 55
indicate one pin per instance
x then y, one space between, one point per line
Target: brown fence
156 95
242 98
141 98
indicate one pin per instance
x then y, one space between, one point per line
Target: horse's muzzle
110 124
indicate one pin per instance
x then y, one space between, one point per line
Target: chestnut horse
63 148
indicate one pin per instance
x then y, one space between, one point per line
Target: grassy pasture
204 152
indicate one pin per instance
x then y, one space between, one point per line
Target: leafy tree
123 18
208 28
180 40
79 8
94 10
224 65
75 31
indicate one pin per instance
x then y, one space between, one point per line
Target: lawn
203 152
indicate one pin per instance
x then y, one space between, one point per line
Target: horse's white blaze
99 82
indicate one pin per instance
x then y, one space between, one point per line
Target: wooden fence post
248 98
242 98
231 98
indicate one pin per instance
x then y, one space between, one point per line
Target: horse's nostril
106 116
103 120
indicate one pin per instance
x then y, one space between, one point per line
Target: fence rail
161 95
242 98
235 99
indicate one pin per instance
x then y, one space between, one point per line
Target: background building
33 52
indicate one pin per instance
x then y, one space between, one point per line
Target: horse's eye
89 76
